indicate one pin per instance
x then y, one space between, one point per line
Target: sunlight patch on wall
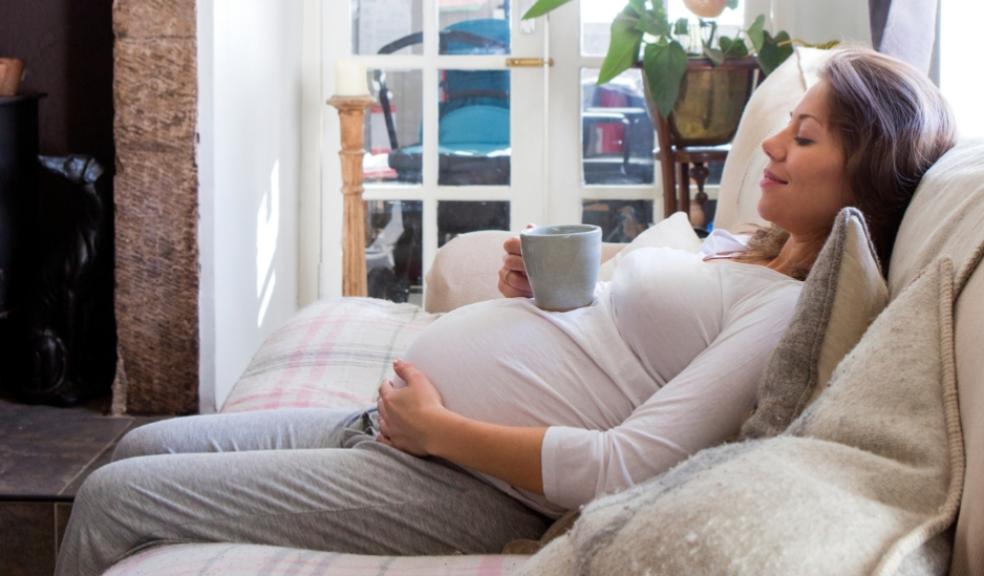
267 232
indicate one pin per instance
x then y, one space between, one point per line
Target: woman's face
805 182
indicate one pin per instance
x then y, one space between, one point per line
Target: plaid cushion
331 354
252 560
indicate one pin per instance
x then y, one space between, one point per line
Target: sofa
333 354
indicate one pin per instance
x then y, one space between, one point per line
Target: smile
770 179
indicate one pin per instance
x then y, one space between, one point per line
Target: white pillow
673 232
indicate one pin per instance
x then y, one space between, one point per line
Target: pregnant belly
506 362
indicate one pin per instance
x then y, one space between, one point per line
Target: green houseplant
643 26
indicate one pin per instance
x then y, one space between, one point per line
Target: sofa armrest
465 270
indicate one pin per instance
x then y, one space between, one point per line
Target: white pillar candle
350 78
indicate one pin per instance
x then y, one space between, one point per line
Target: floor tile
63 510
28 544
44 450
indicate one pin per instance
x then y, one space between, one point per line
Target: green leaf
623 48
655 26
733 47
732 4
542 7
637 6
756 31
665 67
681 27
774 51
714 55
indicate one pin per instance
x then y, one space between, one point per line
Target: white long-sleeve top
665 362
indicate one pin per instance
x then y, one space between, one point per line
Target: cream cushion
673 232
465 270
863 482
946 215
840 298
766 113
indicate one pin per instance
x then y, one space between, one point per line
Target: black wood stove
57 343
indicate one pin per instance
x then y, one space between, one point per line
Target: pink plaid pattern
253 560
332 354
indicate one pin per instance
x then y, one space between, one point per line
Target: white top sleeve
704 405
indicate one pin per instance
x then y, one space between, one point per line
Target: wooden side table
701 127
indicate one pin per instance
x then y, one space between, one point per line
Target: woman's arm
414 420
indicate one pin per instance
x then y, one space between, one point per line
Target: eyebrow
802 115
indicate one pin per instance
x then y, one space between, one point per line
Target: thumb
405 370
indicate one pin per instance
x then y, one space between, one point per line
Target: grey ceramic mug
562 264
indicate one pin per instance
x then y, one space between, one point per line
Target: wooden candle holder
11 73
351 114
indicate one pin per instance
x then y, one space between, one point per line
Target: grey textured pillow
841 296
866 481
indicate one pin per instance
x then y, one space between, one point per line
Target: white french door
457 140
463 141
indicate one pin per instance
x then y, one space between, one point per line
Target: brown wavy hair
892 124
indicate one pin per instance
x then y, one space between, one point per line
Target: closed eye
803 141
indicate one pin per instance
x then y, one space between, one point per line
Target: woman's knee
101 488
146 440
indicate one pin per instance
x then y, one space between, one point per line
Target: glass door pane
617 134
387 26
394 248
392 132
473 130
458 217
474 26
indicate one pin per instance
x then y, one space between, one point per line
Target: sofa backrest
946 216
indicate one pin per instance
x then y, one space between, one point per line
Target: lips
770 176
770 179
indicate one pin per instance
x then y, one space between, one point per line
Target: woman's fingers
512 275
513 284
518 282
406 370
514 263
512 246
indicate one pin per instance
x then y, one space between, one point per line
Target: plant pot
711 102
11 72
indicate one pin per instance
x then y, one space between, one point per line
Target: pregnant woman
503 416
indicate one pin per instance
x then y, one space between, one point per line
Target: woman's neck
797 253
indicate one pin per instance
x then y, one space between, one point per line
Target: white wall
313 111
816 21
249 168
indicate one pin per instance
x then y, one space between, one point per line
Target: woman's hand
408 416
413 419
513 281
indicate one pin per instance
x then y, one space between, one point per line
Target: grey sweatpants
307 478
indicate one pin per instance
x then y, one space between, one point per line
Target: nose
773 146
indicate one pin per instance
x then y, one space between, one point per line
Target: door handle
528 62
